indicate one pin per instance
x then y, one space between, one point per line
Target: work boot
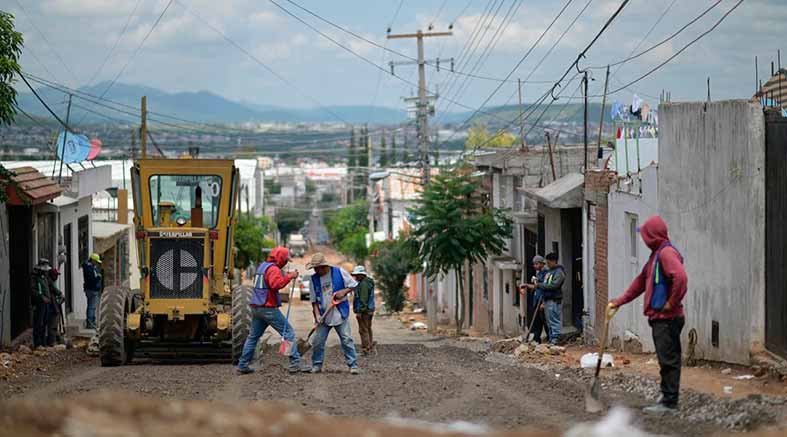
244 370
299 368
316 369
660 409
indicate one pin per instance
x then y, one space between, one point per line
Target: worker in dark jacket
538 324
54 335
91 275
44 298
363 306
664 282
552 292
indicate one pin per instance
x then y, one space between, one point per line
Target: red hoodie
654 233
274 277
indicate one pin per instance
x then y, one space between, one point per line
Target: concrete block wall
597 186
711 194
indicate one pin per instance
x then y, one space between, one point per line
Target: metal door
776 233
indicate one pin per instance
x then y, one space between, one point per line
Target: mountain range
201 106
208 107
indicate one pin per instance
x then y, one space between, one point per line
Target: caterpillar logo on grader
184 220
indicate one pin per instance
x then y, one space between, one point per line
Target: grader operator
184 221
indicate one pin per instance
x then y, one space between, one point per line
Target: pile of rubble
25 360
521 350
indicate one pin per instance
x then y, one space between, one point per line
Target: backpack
661 286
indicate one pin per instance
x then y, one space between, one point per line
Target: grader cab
184 220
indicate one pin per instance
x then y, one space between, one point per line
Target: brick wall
597 184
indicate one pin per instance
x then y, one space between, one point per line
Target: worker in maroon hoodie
265 303
663 280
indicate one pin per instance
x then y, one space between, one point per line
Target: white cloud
78 8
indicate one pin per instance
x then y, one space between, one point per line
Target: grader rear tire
113 309
241 319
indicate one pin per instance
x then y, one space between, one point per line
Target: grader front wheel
113 310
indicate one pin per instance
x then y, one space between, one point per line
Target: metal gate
776 233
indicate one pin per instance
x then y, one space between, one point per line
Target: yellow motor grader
184 221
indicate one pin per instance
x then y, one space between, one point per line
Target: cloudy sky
222 45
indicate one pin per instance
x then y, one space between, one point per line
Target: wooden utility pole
523 144
65 135
370 190
603 108
143 130
423 109
585 86
551 158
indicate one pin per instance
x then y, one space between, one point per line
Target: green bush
392 261
348 228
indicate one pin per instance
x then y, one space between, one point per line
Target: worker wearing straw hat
330 286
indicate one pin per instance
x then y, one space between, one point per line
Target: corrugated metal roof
565 192
32 187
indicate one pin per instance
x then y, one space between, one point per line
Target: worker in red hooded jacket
663 280
265 303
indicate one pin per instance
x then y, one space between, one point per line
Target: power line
664 41
114 46
138 49
519 63
654 69
374 43
645 37
512 11
35 93
48 44
260 63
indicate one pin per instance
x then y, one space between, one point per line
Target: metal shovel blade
593 402
303 346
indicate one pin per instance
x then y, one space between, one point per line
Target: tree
289 221
11 43
393 158
392 261
348 227
453 227
478 136
250 239
311 186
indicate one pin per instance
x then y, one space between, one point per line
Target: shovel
593 402
304 344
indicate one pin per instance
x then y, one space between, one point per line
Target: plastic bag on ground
590 360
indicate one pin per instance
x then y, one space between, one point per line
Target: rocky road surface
411 377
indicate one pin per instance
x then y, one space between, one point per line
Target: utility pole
423 108
585 85
65 135
143 130
603 108
370 191
523 144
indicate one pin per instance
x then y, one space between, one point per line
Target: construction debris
506 346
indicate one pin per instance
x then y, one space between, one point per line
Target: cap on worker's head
94 257
538 259
42 265
359 270
318 260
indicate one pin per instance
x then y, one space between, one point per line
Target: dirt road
412 376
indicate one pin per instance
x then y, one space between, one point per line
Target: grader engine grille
176 268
